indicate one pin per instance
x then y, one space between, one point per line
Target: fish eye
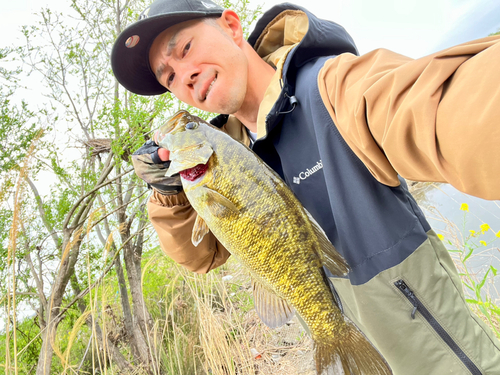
191 125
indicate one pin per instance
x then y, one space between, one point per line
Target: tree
93 225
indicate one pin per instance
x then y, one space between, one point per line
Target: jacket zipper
418 306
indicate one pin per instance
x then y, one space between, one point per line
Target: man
339 129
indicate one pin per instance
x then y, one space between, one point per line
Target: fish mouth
192 174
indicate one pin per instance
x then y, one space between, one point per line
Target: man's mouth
192 174
210 87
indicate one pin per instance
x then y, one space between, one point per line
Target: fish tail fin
350 352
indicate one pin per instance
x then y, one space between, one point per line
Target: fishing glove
150 168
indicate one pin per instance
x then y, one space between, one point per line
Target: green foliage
18 128
58 205
28 341
5 224
17 132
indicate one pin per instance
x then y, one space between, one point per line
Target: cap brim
131 64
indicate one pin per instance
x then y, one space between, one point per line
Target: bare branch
129 192
115 210
99 235
92 192
38 282
43 215
125 6
63 83
107 169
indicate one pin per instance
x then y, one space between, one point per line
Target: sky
413 28
410 27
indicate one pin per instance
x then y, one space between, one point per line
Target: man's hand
158 135
164 154
151 163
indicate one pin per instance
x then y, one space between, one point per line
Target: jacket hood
288 24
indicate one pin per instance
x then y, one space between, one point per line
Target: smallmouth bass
252 212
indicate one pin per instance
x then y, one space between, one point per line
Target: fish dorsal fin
331 257
189 158
271 309
200 228
218 204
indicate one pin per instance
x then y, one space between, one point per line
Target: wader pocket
418 307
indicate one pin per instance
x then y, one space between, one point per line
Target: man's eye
186 49
170 78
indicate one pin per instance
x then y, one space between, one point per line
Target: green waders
420 321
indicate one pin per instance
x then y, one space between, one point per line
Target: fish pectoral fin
331 257
218 204
273 310
200 228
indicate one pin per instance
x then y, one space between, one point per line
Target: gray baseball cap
130 54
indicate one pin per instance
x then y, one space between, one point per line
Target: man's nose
190 75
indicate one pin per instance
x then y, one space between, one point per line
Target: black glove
149 167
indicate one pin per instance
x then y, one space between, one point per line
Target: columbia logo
308 172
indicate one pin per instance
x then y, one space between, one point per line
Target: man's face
202 65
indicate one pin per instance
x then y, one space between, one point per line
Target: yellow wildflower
498 234
464 207
483 243
484 227
473 232
440 236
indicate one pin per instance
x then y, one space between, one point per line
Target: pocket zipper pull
401 285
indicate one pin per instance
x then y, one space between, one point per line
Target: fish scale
257 218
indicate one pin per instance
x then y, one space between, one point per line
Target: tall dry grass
10 300
211 327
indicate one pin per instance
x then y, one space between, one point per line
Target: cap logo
208 5
132 41
145 14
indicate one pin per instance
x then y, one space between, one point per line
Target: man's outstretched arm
436 118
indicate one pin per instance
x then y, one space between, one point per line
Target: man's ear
231 23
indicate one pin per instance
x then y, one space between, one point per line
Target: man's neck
260 75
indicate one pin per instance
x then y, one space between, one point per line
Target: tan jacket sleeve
173 219
432 119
